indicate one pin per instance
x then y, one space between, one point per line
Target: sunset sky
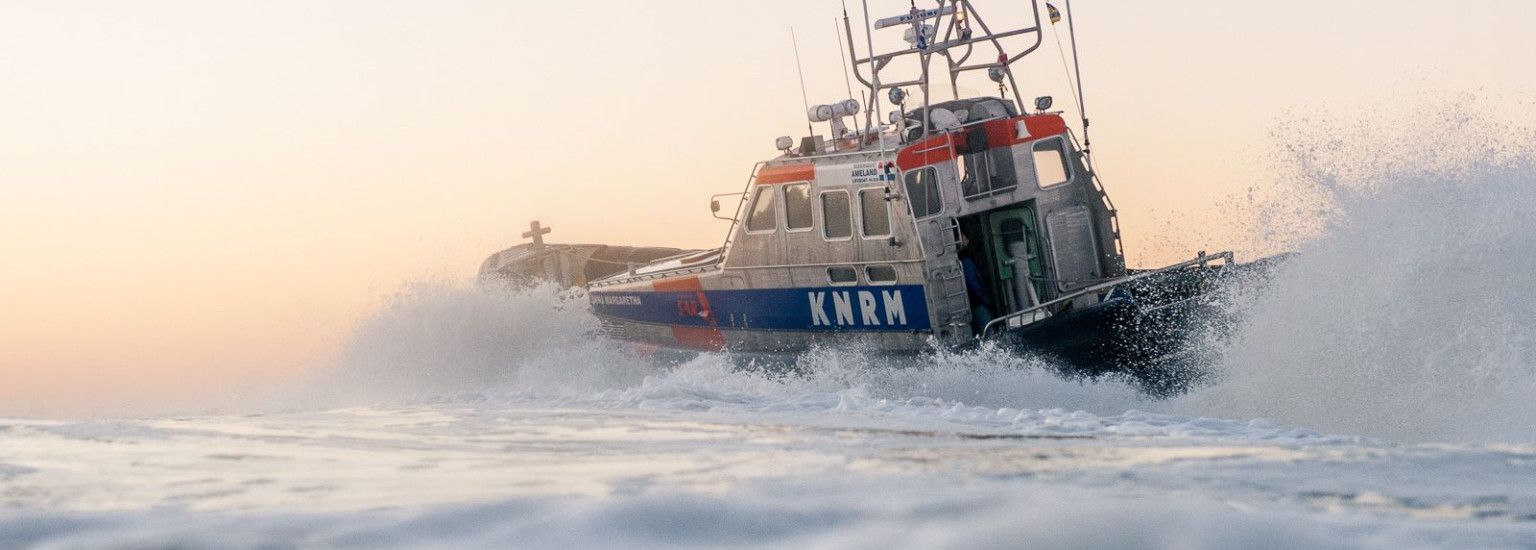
197 195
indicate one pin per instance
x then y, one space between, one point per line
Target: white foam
1409 313
536 348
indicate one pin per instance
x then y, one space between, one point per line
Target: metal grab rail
1098 185
1201 260
632 276
653 276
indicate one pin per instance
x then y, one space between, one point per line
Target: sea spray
540 347
1408 311
453 339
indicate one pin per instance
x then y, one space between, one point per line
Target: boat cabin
955 219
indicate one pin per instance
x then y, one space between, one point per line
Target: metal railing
1098 185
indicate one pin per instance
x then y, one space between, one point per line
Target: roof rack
962 30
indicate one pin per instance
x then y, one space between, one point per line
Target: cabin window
880 274
923 192
797 207
1051 162
762 217
836 216
875 212
842 275
986 173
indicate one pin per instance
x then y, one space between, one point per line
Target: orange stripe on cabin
933 150
1005 132
786 173
1040 126
1000 133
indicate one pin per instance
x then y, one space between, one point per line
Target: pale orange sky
198 193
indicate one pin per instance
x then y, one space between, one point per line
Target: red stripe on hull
679 284
699 338
702 339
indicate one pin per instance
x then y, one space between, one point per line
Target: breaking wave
449 339
456 344
1407 309
462 342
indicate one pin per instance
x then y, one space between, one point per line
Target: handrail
1200 260
1098 184
725 246
654 276
828 264
854 153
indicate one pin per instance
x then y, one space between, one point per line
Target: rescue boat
947 224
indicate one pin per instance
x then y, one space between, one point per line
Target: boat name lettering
616 299
887 309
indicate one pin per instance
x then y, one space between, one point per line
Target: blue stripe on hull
818 309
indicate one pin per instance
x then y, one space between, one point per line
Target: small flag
1054 13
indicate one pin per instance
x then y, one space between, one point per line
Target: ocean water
1376 394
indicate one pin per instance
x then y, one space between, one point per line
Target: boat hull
1153 330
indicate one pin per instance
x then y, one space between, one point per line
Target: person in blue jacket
981 313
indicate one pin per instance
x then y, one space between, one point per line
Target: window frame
822 213
784 199
895 276
938 189
851 269
890 226
746 224
1067 169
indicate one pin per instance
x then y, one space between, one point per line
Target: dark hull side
1161 333
1162 351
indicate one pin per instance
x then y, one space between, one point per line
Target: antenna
1078 68
874 88
804 99
847 82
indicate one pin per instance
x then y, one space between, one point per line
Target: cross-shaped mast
536 232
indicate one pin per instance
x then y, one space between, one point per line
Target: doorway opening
1002 258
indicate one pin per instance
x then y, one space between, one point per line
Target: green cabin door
1015 249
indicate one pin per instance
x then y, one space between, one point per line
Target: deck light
1043 102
